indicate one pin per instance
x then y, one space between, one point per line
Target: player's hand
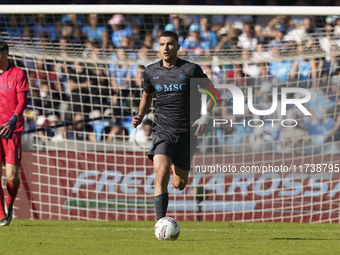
137 120
7 129
202 124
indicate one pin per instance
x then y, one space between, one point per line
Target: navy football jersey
172 90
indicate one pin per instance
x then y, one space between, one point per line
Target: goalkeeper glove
7 129
203 120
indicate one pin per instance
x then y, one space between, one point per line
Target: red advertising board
119 186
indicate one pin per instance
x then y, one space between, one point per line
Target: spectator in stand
279 70
304 69
66 47
334 133
155 43
142 56
78 85
51 92
171 27
14 30
328 40
337 27
61 69
148 41
254 73
304 34
42 27
157 23
40 73
71 33
99 81
278 39
136 88
87 46
214 73
261 54
319 125
228 47
81 131
266 30
248 39
319 104
178 26
115 133
120 77
119 30
50 133
136 37
120 72
75 19
334 91
24 46
95 32
330 68
239 140
237 22
127 45
64 44
42 135
193 44
206 34
44 102
44 45
59 134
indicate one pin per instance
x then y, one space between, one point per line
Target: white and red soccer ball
167 228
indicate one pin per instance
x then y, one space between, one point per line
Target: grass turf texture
89 237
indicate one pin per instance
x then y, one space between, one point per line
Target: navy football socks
161 205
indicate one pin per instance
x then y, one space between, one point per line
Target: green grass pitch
129 237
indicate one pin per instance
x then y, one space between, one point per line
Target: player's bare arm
144 106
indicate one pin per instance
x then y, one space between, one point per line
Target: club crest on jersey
181 77
158 87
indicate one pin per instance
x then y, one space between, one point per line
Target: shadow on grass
303 239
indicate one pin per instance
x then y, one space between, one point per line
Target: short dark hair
3 46
169 34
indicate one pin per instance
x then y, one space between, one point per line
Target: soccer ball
167 228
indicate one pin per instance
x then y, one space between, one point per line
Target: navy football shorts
181 152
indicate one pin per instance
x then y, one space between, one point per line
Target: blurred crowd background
86 73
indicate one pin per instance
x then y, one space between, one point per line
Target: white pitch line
226 230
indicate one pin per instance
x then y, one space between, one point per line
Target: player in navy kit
173 143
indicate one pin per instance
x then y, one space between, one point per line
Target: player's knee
181 187
12 179
180 184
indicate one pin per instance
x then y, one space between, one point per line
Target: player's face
168 48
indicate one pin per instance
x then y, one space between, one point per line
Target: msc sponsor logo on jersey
171 87
6 87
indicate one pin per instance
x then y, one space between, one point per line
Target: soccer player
172 142
13 101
